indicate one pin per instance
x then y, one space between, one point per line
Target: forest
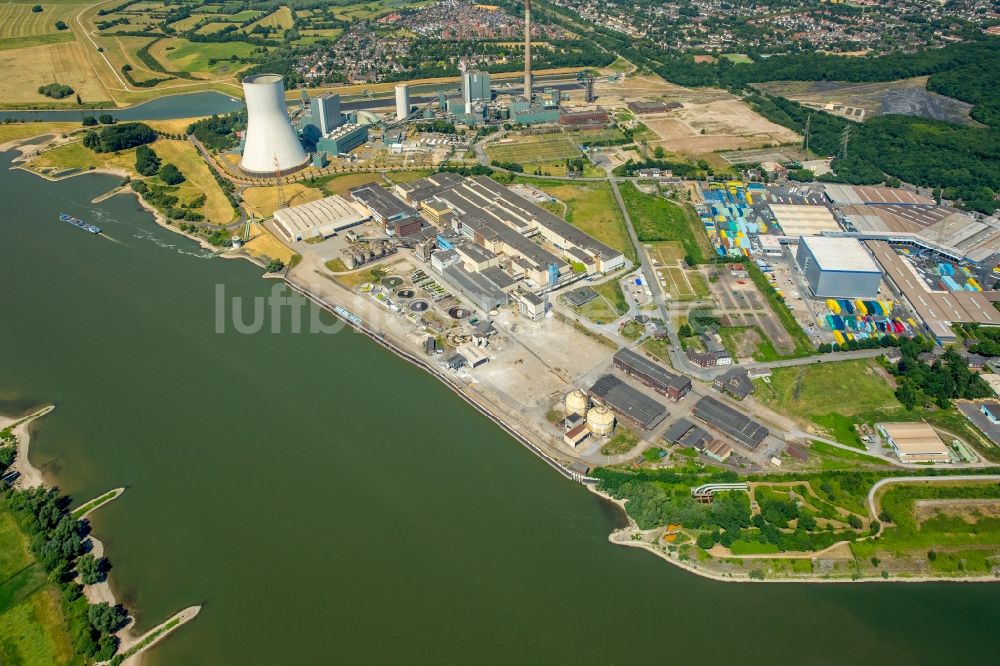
946 379
963 161
119 137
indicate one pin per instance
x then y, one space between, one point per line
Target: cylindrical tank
576 402
271 143
349 260
600 421
402 101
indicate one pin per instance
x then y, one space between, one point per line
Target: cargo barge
77 222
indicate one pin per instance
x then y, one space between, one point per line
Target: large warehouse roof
915 441
627 402
937 309
655 371
740 427
803 220
318 218
840 254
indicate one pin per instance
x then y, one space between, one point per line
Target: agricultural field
25 69
534 149
590 207
183 155
31 622
830 397
281 18
17 20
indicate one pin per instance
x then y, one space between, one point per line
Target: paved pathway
873 507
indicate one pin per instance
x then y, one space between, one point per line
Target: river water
327 501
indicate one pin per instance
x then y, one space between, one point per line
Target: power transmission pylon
277 177
807 130
845 136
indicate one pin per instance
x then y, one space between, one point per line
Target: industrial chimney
271 145
402 101
527 49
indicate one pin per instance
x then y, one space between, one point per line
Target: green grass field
829 395
194 56
657 219
590 207
608 306
832 457
958 522
31 623
535 149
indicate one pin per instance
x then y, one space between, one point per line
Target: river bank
649 540
401 346
101 592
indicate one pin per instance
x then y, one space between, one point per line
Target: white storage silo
271 143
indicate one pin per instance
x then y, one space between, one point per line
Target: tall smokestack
527 49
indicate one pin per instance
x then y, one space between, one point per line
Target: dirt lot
969 510
724 124
906 96
742 305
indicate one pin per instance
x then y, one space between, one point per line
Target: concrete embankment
360 327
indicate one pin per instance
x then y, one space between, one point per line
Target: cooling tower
402 101
271 143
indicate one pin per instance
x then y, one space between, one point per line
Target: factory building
535 115
938 310
396 218
271 146
914 442
494 217
721 416
475 87
838 267
344 139
530 305
325 112
584 118
651 374
686 433
320 218
628 404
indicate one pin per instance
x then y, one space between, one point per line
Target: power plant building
271 145
325 112
494 217
344 139
475 87
838 267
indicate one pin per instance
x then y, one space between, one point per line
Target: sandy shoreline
31 477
